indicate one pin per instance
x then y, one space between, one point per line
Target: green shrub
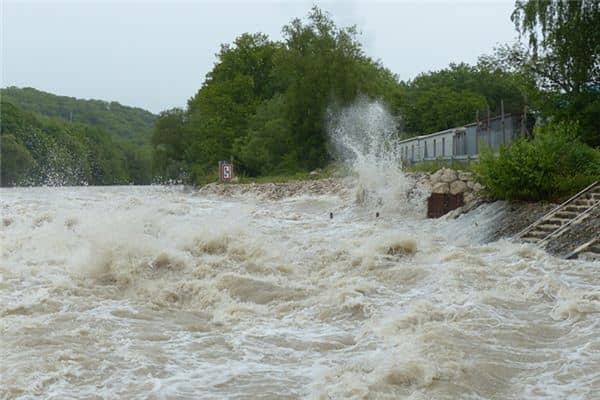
551 166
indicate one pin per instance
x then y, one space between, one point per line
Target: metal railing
557 209
582 248
563 228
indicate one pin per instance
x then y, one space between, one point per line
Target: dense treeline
38 150
121 122
265 102
453 96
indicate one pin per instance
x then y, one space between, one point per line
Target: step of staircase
566 214
556 222
537 235
577 207
546 227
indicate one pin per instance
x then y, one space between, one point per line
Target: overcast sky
155 55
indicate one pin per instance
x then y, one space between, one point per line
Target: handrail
582 248
556 209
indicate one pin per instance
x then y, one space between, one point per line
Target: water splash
364 137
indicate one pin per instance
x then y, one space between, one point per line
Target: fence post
489 130
502 121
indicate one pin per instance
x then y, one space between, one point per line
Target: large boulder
448 175
457 187
441 187
435 177
469 197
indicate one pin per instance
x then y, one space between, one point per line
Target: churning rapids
156 292
163 293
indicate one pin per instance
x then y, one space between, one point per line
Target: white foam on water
133 292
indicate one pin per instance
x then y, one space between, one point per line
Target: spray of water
364 137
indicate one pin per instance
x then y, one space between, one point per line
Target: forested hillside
133 124
38 150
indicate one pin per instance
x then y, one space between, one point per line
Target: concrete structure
464 143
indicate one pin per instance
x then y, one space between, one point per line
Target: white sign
226 171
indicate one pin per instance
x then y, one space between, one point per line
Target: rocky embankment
278 191
449 181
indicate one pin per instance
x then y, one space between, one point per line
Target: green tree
321 65
267 148
452 96
15 161
219 112
265 102
46 150
439 108
563 55
169 145
121 122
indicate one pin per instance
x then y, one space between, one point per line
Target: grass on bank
329 171
284 178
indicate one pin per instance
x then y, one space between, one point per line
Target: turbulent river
161 293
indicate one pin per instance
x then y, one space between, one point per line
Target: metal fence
464 143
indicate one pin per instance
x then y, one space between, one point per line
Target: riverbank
513 216
279 190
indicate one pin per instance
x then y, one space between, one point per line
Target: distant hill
123 122
39 150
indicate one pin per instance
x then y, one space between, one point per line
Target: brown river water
161 293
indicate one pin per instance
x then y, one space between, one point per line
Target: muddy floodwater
161 293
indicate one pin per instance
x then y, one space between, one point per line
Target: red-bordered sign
226 171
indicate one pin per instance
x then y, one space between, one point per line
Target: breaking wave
363 136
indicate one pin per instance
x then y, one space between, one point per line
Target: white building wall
422 147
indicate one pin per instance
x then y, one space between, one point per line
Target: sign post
225 171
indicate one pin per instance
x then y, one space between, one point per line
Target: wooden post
524 117
502 121
489 131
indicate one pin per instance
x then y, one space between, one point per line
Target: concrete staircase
560 220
